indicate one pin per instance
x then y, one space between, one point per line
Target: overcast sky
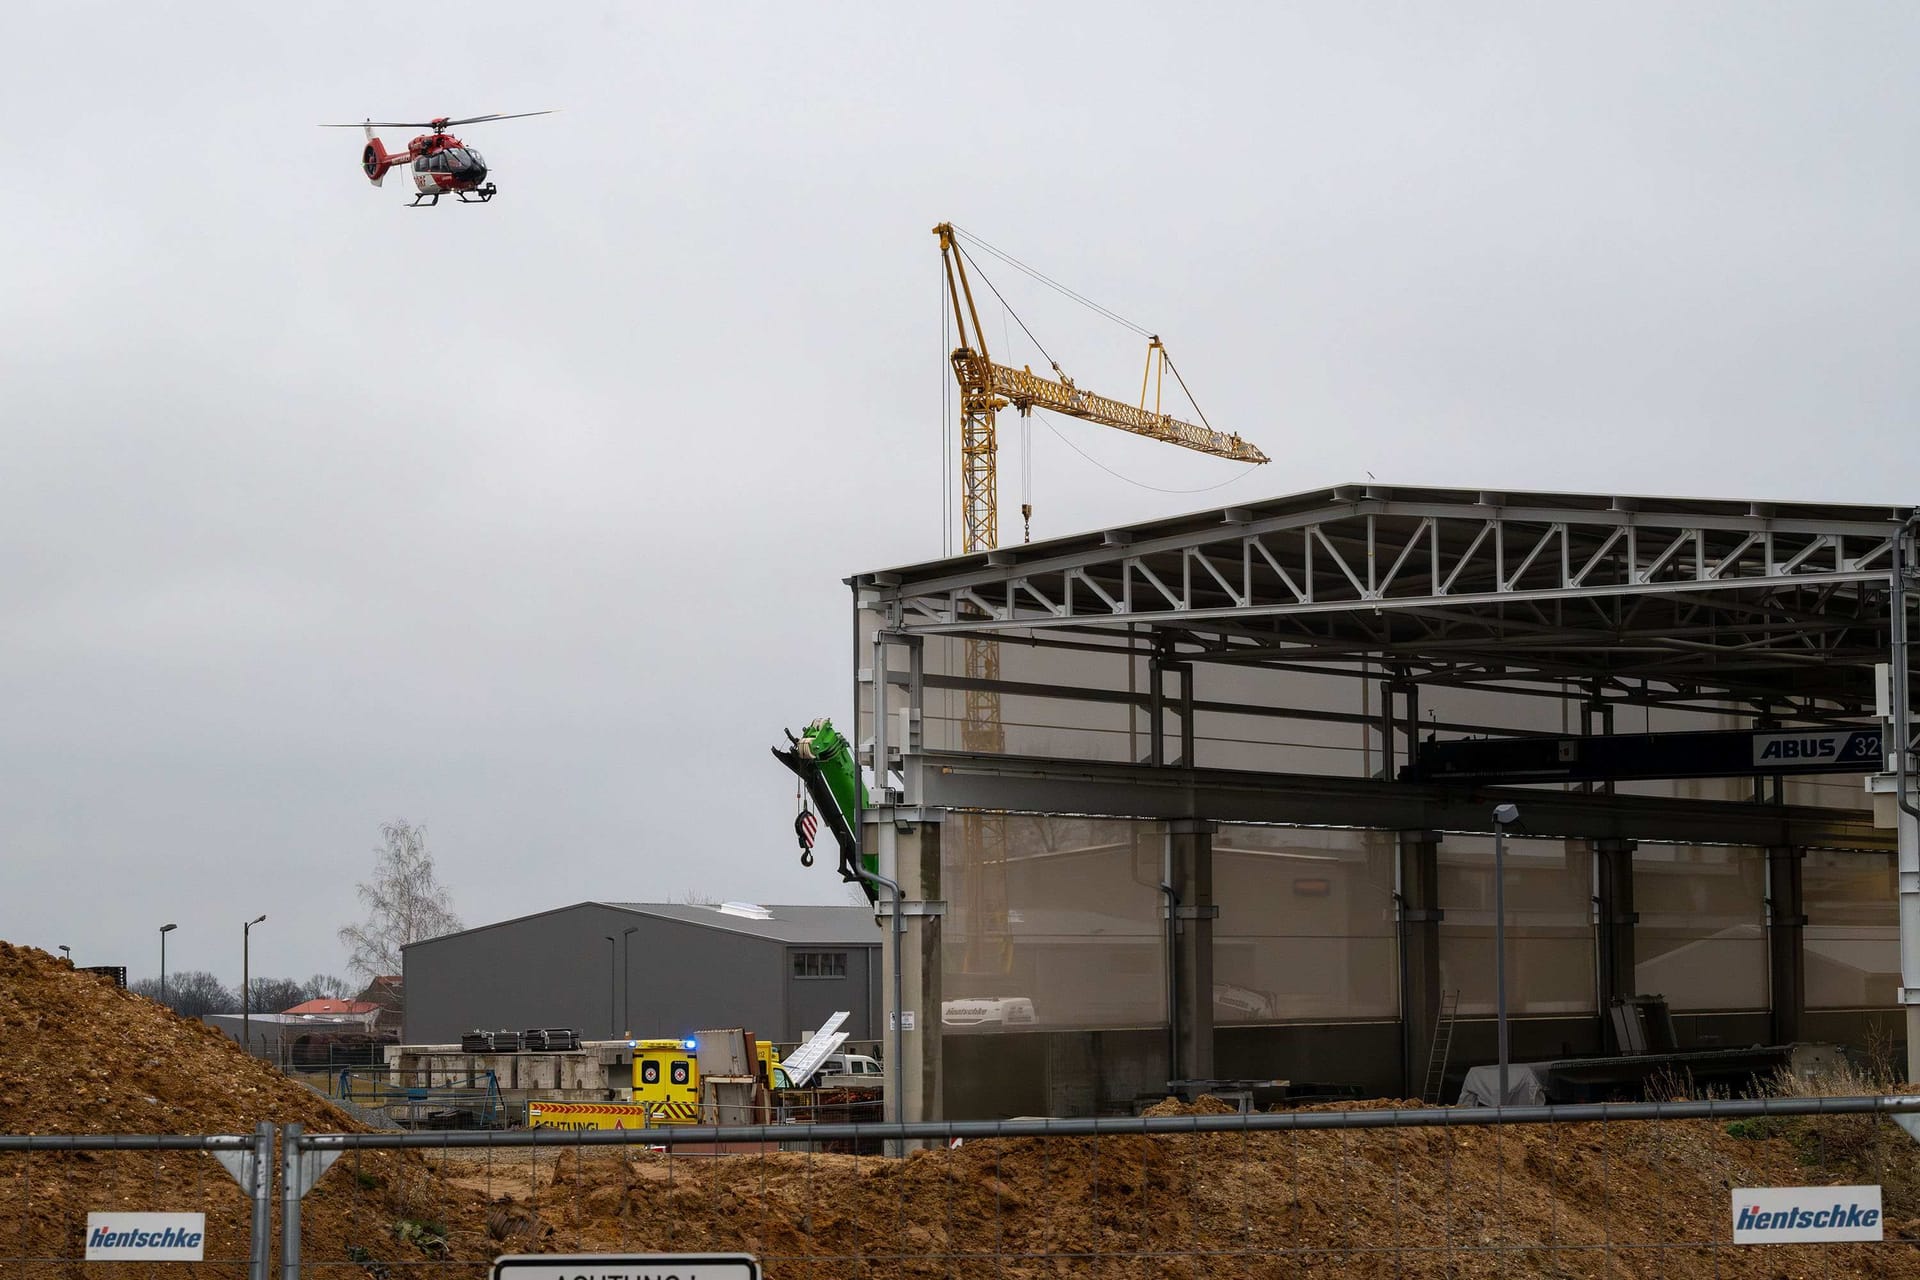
529 521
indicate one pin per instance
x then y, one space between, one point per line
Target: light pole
246 996
66 953
626 978
612 961
1503 817
165 929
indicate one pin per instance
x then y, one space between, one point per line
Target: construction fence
61 1195
1644 1189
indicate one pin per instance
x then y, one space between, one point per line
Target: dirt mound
80 1055
77 1055
1205 1105
1468 1202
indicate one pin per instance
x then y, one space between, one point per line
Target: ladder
1442 1046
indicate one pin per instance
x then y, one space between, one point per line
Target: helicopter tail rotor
374 159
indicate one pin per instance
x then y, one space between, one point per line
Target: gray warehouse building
618 970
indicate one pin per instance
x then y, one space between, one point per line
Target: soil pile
77 1055
80 1055
1624 1199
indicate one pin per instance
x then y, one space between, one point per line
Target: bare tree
274 995
191 992
325 986
405 902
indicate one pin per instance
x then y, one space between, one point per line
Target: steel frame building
1742 613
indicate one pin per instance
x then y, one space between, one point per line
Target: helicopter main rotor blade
516 115
431 124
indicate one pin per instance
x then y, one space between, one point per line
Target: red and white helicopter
442 164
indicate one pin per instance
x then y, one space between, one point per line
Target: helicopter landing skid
479 195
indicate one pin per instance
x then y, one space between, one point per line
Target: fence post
290 1191
260 1244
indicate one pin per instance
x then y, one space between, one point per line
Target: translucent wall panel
1089 702
1549 925
1080 940
1701 941
1306 927
1853 930
1064 703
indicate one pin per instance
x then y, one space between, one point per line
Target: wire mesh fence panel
1576 1192
50 1186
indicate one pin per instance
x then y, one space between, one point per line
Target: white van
850 1064
997 1011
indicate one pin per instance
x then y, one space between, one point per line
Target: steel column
1190 857
260 1245
1420 987
1786 942
1615 921
912 966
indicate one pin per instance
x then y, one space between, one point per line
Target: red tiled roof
334 1007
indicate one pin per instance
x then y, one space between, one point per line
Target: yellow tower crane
985 388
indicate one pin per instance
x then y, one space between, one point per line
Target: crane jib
1025 389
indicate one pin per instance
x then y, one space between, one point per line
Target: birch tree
405 902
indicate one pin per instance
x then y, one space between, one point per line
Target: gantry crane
985 388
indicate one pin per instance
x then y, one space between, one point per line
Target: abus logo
1800 749
1803 1215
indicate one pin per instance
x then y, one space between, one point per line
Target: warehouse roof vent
746 910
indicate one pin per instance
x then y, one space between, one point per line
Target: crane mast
986 387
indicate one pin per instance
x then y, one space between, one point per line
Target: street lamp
246 945
612 961
165 929
66 953
626 979
1504 816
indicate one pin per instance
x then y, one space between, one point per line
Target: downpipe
1173 980
1899 733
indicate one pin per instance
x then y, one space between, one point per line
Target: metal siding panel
553 970
811 1001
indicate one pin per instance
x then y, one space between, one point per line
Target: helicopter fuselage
444 165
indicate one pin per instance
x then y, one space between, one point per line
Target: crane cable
946 429
1139 484
1083 300
1026 440
1053 284
1010 311
1183 387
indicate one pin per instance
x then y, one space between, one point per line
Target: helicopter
442 164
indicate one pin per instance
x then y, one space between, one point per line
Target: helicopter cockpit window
420 164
